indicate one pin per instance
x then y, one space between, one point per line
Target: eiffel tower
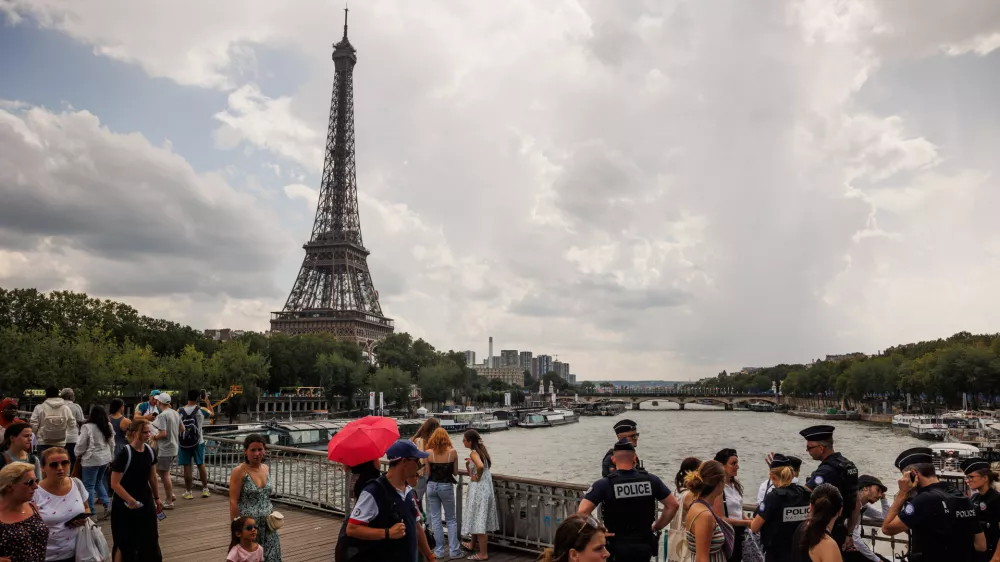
333 291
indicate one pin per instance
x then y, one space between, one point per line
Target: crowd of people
818 521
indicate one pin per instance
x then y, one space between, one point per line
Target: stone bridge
680 398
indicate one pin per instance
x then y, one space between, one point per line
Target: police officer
942 523
834 469
628 502
624 429
986 502
784 507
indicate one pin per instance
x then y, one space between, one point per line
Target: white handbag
91 546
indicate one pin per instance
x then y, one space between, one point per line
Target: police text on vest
633 490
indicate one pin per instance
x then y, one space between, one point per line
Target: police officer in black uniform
837 470
942 522
783 509
624 429
628 503
986 502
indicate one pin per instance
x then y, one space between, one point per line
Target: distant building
564 373
751 370
524 361
557 367
508 358
470 358
223 334
544 365
511 375
534 367
571 379
842 356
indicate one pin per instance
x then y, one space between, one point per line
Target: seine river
572 453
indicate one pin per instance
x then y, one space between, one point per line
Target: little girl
243 545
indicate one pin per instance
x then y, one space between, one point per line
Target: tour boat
902 420
548 418
928 427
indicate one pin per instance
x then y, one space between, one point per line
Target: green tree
234 364
340 376
394 383
436 382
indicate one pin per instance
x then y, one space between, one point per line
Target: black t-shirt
987 506
943 522
135 480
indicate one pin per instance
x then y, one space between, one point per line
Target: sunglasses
55 464
250 528
589 521
811 447
30 483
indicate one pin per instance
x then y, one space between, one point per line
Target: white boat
902 420
948 456
928 427
548 418
470 418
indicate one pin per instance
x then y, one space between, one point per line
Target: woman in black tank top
442 466
812 541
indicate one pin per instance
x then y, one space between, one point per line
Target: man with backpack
51 420
192 444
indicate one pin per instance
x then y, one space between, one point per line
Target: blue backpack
190 433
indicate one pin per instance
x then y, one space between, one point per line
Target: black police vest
847 475
391 510
631 511
790 506
989 517
944 538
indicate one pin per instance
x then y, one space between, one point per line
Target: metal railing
529 511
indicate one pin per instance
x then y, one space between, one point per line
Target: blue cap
154 392
404 449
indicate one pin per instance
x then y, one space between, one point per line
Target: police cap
866 480
818 433
624 426
973 464
780 460
795 462
916 455
624 445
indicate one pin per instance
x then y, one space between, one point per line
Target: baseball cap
404 449
163 398
153 393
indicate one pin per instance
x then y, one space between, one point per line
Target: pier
312 493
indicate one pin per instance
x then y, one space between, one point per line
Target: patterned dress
480 515
24 541
256 502
715 553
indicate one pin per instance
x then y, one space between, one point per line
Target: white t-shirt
56 511
169 420
734 502
73 429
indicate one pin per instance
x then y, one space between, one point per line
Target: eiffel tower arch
333 291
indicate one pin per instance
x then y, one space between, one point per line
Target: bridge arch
738 399
679 400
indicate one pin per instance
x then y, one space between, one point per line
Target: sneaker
168 506
107 512
188 495
205 493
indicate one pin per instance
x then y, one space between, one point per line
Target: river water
573 453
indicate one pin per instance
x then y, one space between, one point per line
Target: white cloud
640 187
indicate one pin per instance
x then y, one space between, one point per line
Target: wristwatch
387 534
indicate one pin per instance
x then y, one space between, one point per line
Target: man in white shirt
766 486
168 424
870 490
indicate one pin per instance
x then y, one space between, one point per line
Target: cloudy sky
649 189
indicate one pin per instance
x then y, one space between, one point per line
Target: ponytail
824 505
706 479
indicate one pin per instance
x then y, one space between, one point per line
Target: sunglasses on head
589 521
57 464
250 527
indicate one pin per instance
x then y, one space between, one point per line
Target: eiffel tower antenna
334 291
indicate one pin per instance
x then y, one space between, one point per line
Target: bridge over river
680 397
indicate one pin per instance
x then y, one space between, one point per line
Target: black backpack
190 435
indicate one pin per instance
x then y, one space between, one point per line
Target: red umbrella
363 440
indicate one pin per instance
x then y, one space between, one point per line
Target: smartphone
161 516
913 477
79 517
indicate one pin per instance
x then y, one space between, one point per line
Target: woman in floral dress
480 515
250 495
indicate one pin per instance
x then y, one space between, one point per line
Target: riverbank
885 419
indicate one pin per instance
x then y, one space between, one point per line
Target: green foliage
394 384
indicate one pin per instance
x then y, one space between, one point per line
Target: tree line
937 372
105 348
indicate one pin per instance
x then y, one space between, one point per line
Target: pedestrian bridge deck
198 529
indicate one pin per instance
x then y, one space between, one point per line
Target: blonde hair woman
775 533
23 534
59 499
442 467
136 501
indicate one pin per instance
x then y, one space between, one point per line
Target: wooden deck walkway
198 529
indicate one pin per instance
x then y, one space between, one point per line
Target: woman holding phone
62 503
136 502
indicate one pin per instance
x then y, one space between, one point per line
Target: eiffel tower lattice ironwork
334 291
